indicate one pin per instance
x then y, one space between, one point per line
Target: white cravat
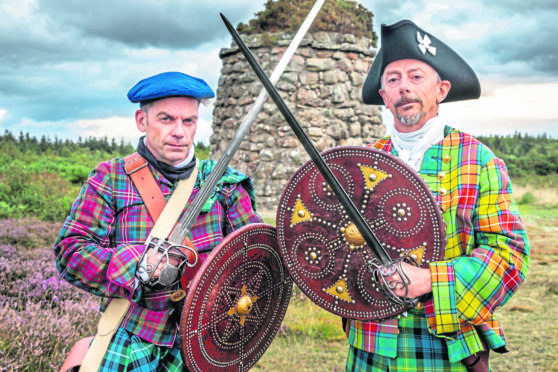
412 146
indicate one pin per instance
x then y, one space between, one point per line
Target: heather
41 316
342 16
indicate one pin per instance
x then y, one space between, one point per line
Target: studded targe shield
324 251
236 302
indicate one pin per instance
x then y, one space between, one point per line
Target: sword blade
205 192
354 214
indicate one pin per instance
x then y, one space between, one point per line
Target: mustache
405 100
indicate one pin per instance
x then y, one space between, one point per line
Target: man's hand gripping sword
391 277
164 263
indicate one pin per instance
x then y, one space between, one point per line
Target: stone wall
322 87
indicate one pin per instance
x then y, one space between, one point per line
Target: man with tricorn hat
487 252
102 245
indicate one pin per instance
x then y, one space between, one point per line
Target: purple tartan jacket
102 240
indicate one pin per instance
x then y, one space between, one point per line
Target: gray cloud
82 30
529 40
76 59
162 24
523 7
390 11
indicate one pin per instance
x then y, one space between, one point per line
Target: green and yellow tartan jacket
103 239
486 256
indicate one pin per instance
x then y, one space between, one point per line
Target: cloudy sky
66 66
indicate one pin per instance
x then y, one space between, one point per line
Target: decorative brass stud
441 175
443 191
178 295
339 289
353 236
372 177
401 212
446 159
301 213
313 255
443 207
243 306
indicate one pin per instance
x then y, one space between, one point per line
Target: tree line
41 177
24 142
525 154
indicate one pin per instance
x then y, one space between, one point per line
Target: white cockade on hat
424 44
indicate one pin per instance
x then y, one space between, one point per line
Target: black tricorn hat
405 40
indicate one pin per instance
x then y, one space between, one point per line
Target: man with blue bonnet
101 247
486 253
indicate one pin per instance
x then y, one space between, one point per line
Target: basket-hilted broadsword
385 266
179 234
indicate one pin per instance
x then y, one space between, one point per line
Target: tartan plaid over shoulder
486 257
103 238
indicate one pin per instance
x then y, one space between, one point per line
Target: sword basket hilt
170 274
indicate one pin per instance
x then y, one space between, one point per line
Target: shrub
46 196
527 198
342 16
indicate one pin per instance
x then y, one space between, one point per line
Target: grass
529 322
529 319
538 192
310 339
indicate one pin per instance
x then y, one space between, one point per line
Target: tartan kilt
417 351
127 352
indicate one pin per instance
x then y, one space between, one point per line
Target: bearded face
409 119
412 90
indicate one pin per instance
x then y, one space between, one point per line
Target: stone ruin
322 87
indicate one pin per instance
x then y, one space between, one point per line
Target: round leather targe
236 302
323 250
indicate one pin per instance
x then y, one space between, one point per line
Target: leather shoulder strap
136 167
